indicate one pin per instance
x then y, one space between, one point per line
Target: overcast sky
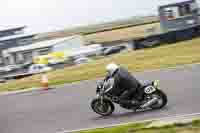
50 15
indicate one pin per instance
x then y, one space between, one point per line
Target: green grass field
94 32
192 127
186 52
127 33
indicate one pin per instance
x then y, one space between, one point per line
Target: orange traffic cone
45 82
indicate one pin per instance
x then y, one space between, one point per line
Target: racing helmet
111 68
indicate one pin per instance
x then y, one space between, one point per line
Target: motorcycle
151 97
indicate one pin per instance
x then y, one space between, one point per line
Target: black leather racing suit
125 85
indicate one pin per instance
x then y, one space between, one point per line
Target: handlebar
103 86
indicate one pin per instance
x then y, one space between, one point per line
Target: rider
123 84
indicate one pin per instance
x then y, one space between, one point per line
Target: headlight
98 89
156 83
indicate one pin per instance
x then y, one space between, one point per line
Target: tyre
162 99
104 109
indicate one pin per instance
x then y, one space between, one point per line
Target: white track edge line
139 121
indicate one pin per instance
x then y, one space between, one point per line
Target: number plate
149 89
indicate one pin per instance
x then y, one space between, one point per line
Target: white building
22 54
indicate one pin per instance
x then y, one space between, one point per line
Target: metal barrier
167 38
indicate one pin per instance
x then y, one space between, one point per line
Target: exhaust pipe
149 103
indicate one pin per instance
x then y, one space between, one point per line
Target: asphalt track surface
68 107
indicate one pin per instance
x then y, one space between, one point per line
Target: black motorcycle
151 97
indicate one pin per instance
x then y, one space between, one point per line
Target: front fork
101 97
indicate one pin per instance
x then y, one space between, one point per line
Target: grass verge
186 52
192 127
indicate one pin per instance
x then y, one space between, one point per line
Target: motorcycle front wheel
105 109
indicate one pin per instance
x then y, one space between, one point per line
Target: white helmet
111 68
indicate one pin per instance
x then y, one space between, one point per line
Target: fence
167 38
